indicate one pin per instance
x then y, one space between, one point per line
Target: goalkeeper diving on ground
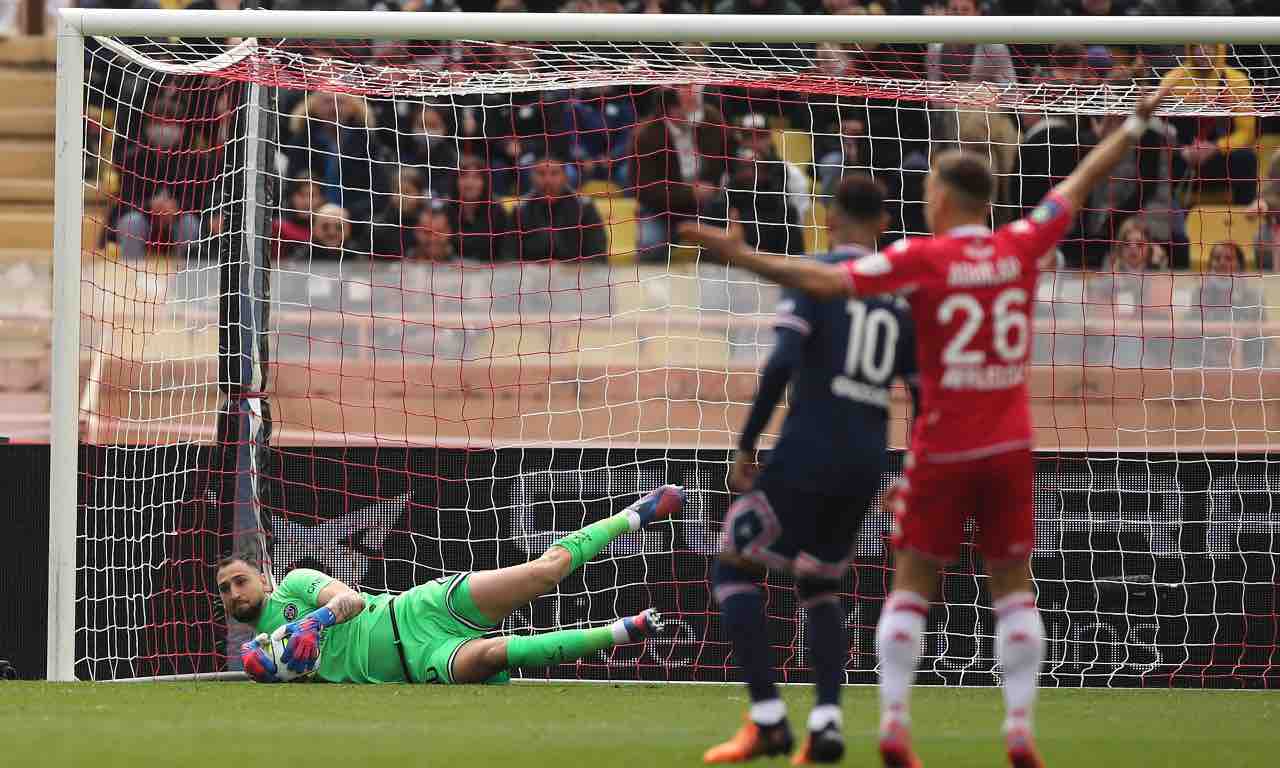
438 632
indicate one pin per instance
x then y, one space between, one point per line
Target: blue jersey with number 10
842 356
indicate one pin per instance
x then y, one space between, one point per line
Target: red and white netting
441 274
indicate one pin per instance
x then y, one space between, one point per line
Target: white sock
619 631
768 712
823 715
898 638
1020 649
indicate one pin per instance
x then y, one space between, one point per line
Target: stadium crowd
524 176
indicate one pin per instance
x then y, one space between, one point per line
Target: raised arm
819 280
1098 164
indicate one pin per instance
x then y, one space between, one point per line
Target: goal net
396 309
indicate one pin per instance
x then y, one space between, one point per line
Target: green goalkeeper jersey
359 650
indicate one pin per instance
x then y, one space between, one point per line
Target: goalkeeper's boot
644 624
824 746
1022 749
895 746
658 504
751 741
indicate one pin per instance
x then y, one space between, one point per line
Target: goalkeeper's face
243 589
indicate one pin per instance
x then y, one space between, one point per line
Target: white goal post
167 31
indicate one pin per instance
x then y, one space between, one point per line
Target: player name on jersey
963 274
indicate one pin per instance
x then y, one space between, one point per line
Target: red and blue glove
257 662
304 639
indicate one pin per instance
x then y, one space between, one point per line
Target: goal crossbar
682 28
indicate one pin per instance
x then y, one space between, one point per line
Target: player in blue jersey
802 510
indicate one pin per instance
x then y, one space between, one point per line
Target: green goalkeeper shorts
436 619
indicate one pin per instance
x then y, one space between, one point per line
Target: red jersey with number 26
970 291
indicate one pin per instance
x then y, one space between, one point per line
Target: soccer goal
395 296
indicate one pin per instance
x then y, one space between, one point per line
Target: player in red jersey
970 291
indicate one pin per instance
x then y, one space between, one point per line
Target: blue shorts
807 533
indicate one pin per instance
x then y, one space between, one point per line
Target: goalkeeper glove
257 662
304 639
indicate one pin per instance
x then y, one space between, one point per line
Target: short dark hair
860 197
249 557
967 173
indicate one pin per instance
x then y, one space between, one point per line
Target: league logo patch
290 612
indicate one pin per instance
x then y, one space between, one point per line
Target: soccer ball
273 645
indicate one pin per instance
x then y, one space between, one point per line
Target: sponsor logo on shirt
984 378
290 612
860 392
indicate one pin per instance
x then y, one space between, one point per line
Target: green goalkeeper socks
585 543
558 647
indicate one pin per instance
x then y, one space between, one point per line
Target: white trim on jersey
794 322
977 453
968 230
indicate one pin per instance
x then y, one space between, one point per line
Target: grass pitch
586 725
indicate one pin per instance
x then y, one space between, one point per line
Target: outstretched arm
822 281
338 604
1097 165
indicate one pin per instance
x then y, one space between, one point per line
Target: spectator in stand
886 138
483 228
524 126
330 235
679 155
1226 258
430 146
603 119
555 223
764 190
1134 252
392 231
995 135
293 229
1215 151
328 136
734 102
851 154
1267 207
433 238
1049 151
985 63
1231 308
1065 65
165 181
1133 294
160 228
